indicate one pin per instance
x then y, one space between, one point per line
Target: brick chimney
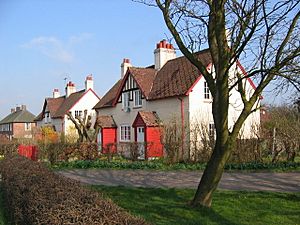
124 66
163 53
70 89
23 107
56 93
89 83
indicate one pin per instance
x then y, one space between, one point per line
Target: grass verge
170 206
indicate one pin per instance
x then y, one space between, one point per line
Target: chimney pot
164 43
70 89
56 93
89 77
89 83
163 53
124 66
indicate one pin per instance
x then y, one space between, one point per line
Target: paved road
277 182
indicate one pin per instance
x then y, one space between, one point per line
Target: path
278 182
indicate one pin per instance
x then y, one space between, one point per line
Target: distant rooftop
18 115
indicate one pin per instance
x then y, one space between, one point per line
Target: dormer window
125 101
137 97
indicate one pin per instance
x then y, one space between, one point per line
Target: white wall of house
87 102
58 123
167 109
201 108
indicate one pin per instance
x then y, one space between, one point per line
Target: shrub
55 152
10 148
35 195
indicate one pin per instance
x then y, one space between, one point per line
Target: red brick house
18 124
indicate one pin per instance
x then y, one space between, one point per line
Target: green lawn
170 206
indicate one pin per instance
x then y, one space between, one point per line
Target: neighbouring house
55 109
18 124
146 99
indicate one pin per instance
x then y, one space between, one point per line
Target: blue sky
44 41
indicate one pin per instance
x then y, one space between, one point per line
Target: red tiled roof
109 97
68 103
144 78
54 104
150 118
177 76
58 107
174 79
106 121
39 117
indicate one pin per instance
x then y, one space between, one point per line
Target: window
125 101
78 113
27 126
207 94
137 96
125 133
47 117
212 130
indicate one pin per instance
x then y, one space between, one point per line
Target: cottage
145 99
18 124
55 109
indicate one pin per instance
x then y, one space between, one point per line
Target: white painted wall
201 109
87 102
166 109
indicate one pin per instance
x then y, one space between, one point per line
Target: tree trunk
212 174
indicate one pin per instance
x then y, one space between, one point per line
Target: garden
31 193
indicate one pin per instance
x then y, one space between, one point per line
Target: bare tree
261 34
84 128
286 121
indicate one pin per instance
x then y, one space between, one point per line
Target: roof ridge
183 56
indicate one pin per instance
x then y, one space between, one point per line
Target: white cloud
79 38
55 48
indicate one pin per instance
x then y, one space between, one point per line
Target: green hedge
159 165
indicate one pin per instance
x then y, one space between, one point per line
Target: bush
9 149
55 152
35 195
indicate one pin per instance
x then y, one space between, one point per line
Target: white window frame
125 100
125 133
207 94
27 126
137 98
